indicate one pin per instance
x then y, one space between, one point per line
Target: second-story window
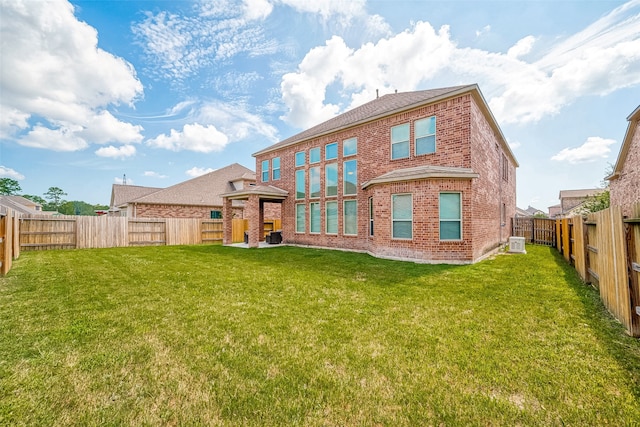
314 182
314 155
400 141
331 179
275 168
300 158
425 130
350 179
331 151
265 170
350 147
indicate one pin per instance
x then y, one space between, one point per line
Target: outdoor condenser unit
516 245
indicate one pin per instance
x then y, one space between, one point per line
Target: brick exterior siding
464 139
625 190
178 211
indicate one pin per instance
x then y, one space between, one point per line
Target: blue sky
162 91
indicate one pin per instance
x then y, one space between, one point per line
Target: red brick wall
625 190
456 120
179 211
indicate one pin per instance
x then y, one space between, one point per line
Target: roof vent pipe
376 93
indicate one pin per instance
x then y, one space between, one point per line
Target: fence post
632 227
579 247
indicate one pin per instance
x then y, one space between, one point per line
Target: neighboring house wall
625 188
178 211
464 139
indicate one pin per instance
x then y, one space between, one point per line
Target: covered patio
255 197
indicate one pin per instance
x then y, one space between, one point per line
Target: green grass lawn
211 335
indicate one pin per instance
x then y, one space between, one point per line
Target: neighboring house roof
533 211
633 120
19 204
123 194
389 104
422 172
204 190
521 212
567 194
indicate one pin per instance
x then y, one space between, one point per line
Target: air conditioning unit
516 245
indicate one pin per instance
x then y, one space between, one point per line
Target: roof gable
632 127
121 194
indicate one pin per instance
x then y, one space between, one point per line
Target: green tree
54 196
9 187
36 199
596 203
77 207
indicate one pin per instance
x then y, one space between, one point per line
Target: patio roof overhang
422 172
264 192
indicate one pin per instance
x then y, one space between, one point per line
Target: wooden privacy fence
9 246
540 231
604 248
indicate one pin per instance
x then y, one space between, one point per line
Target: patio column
252 214
227 221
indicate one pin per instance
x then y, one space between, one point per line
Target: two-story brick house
424 176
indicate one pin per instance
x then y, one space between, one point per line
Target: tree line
51 200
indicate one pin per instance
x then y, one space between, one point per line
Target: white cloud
514 144
6 172
154 174
235 121
593 149
486 29
522 47
103 128
602 58
52 69
121 152
193 137
196 171
60 139
257 9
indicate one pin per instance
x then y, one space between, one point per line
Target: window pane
314 182
400 150
350 179
402 229
300 184
350 217
450 230
350 147
371 216
331 179
450 206
425 127
300 158
265 171
300 217
216 214
314 155
426 145
400 133
315 217
332 217
331 151
402 206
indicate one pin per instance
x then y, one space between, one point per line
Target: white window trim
319 218
415 138
274 169
392 143
440 220
295 184
352 154
304 207
403 220
325 151
263 170
326 218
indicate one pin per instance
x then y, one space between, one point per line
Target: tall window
300 217
350 147
216 214
331 180
370 216
350 178
350 217
425 131
314 220
314 155
331 217
400 141
300 184
402 216
265 170
275 168
505 168
314 182
331 151
450 216
300 158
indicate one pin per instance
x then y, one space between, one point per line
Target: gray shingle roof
379 107
204 190
123 194
264 191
